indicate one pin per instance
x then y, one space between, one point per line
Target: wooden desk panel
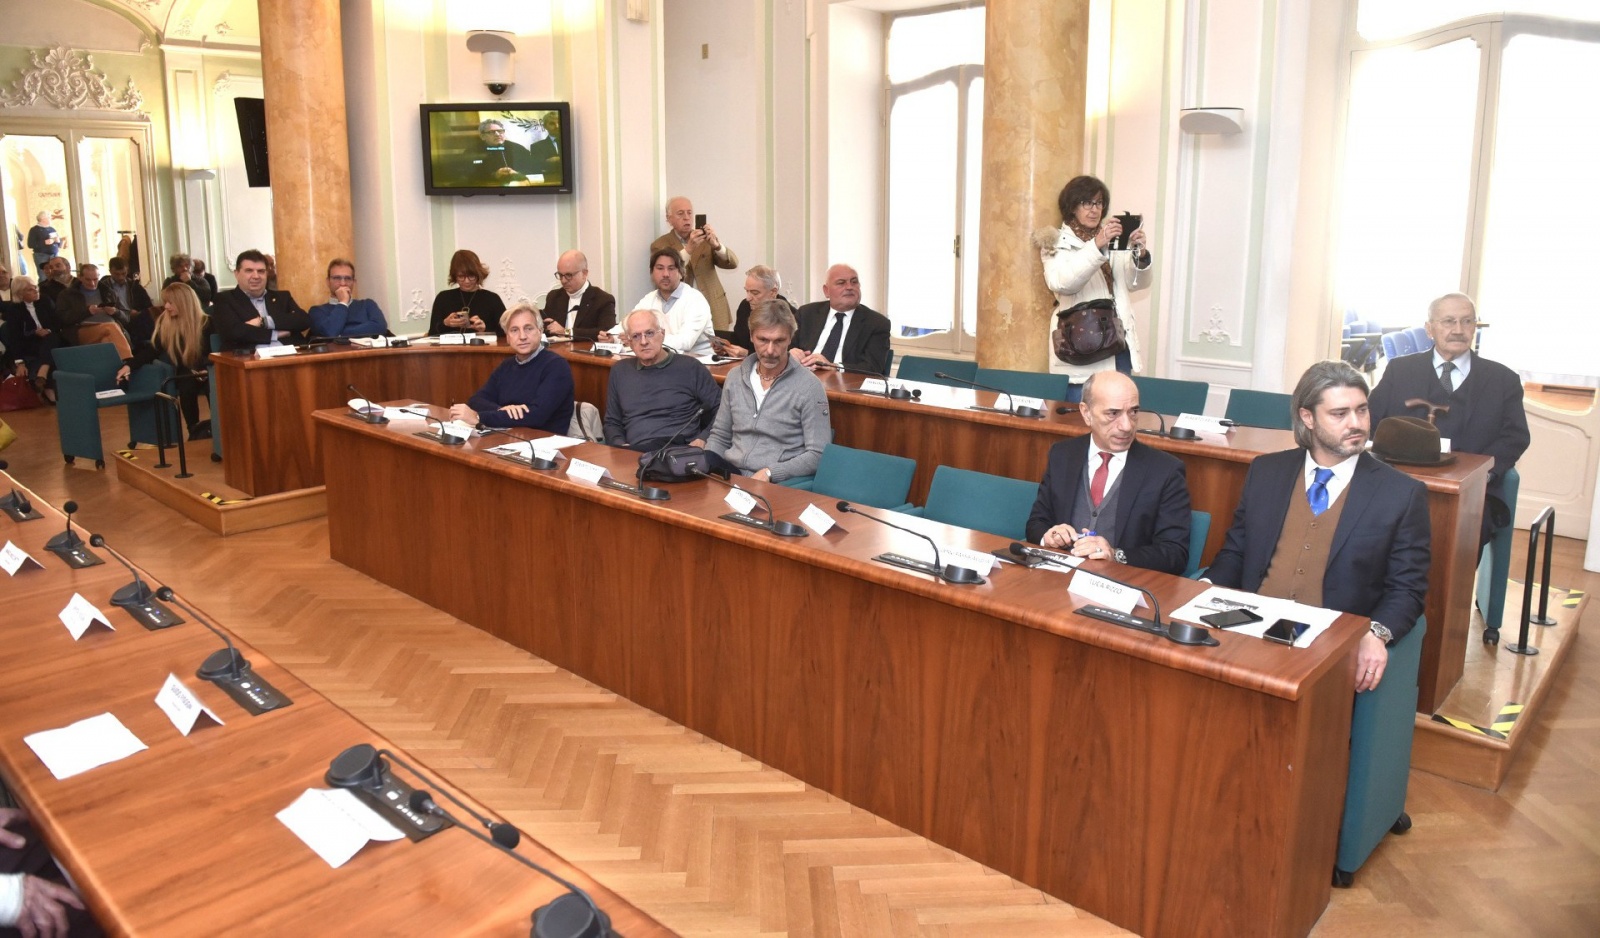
1171 790
182 839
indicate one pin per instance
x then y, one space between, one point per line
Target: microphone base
988 410
74 552
362 772
959 576
568 916
17 509
596 352
1181 633
374 418
137 599
1026 411
901 394
779 528
543 465
437 437
238 681
647 492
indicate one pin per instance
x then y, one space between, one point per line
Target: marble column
302 69
1035 72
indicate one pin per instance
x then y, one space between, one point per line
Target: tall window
1468 166
935 144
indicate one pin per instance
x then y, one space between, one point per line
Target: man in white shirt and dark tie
839 330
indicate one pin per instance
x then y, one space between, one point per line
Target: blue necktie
1319 491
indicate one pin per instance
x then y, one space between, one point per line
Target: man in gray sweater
773 422
651 400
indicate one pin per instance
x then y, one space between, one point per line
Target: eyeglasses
644 336
1465 322
466 276
1092 204
342 278
565 277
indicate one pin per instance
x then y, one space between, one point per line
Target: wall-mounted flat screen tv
496 148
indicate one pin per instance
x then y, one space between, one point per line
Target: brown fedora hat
1409 441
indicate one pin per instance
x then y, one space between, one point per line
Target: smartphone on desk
1285 631
1230 618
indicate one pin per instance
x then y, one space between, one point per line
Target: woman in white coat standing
1079 265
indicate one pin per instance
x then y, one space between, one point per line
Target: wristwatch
1119 556
1382 631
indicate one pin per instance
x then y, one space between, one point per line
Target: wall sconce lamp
496 48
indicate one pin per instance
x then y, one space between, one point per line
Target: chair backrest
983 502
1029 383
586 422
99 361
1351 316
1419 336
921 368
1260 408
1171 395
1199 528
1390 349
888 363
1403 342
859 475
216 415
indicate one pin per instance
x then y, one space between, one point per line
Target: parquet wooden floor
712 842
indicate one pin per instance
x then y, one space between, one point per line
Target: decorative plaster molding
185 27
509 288
222 28
419 309
143 6
67 80
1214 332
219 88
639 11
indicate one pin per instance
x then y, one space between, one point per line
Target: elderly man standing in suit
1106 495
839 330
578 308
250 314
1329 525
702 254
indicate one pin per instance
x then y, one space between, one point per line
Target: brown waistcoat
1304 544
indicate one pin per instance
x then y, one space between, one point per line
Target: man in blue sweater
344 315
532 388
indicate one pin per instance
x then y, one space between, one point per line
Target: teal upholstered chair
1171 396
83 370
1380 758
858 475
216 413
1199 528
1494 566
920 368
1027 383
1259 409
978 500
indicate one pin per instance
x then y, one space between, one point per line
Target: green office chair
1199 527
1171 396
980 501
858 475
1494 565
1028 383
1259 409
83 370
216 412
920 368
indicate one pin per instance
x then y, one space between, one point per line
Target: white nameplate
181 706
12 559
875 386
363 406
1102 592
335 824
109 394
274 351
457 429
614 348
453 338
971 559
1017 400
740 500
80 614
586 471
1200 423
819 521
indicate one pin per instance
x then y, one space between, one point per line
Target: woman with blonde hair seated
182 339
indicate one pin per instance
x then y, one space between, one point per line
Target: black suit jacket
1378 563
16 330
865 346
1486 414
232 312
597 311
1152 503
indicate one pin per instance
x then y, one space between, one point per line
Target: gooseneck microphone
69 546
441 436
1180 632
573 915
780 528
230 670
69 537
901 393
951 573
371 413
137 597
647 462
503 833
16 504
1177 433
1057 558
1017 411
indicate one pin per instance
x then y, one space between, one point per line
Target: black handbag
681 463
1088 332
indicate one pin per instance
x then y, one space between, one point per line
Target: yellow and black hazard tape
216 499
1499 729
127 454
1574 597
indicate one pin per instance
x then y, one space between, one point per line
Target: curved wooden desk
1172 790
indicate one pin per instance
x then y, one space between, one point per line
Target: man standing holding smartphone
696 241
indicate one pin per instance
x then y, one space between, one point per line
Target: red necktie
1097 486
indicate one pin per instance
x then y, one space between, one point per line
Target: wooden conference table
1170 789
182 839
269 445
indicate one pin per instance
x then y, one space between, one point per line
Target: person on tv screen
492 160
546 147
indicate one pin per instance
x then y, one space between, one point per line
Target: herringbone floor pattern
713 843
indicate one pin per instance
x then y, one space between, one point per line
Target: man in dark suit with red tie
1106 496
250 315
578 308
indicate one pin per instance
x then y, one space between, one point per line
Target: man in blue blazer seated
344 314
1328 525
1477 402
532 388
1108 496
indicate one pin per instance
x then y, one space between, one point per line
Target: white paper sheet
1221 599
75 749
335 824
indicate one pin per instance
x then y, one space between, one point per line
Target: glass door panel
923 136
112 193
33 178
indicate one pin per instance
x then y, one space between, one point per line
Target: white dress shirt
1343 471
1463 367
688 317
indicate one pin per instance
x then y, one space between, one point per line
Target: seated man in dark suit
578 308
31 334
1329 525
839 330
1479 412
250 315
1108 496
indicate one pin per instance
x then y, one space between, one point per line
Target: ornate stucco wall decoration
65 79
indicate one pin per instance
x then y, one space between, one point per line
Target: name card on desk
587 471
457 429
971 559
875 386
274 351
1018 400
740 500
181 706
14 558
817 520
453 338
1200 423
80 614
335 824
1102 592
